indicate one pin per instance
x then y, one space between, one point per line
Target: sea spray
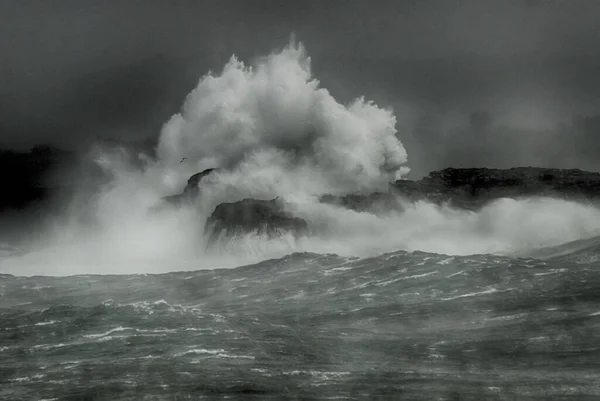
273 131
276 132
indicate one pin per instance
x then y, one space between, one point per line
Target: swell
583 251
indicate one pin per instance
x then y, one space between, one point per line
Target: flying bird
182 160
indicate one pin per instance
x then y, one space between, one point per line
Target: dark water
402 326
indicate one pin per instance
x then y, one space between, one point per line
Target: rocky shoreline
464 188
473 188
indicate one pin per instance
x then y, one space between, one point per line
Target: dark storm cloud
73 70
83 66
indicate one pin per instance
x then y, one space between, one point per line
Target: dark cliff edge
28 178
42 183
27 183
473 188
468 189
45 177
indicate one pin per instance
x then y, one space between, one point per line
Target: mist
224 198
275 131
112 70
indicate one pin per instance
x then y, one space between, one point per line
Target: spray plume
274 131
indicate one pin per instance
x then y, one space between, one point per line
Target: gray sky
71 70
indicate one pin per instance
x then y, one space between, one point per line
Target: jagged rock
192 188
472 188
264 217
469 188
189 194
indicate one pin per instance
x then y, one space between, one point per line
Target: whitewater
110 302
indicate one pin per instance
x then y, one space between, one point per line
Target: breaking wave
275 131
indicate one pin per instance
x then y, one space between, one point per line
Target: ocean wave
273 131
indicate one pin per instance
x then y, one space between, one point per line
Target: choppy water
401 326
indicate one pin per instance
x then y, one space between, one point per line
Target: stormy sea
114 299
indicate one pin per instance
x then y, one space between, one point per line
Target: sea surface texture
400 326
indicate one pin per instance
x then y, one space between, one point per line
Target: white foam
48 346
276 132
108 333
46 323
472 294
200 351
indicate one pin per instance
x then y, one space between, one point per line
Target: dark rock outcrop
228 220
264 217
189 194
469 188
376 203
473 188
27 176
192 187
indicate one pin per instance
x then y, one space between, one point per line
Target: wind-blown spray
278 131
273 131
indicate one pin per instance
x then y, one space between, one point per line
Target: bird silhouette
182 160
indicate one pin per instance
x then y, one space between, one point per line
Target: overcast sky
74 70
